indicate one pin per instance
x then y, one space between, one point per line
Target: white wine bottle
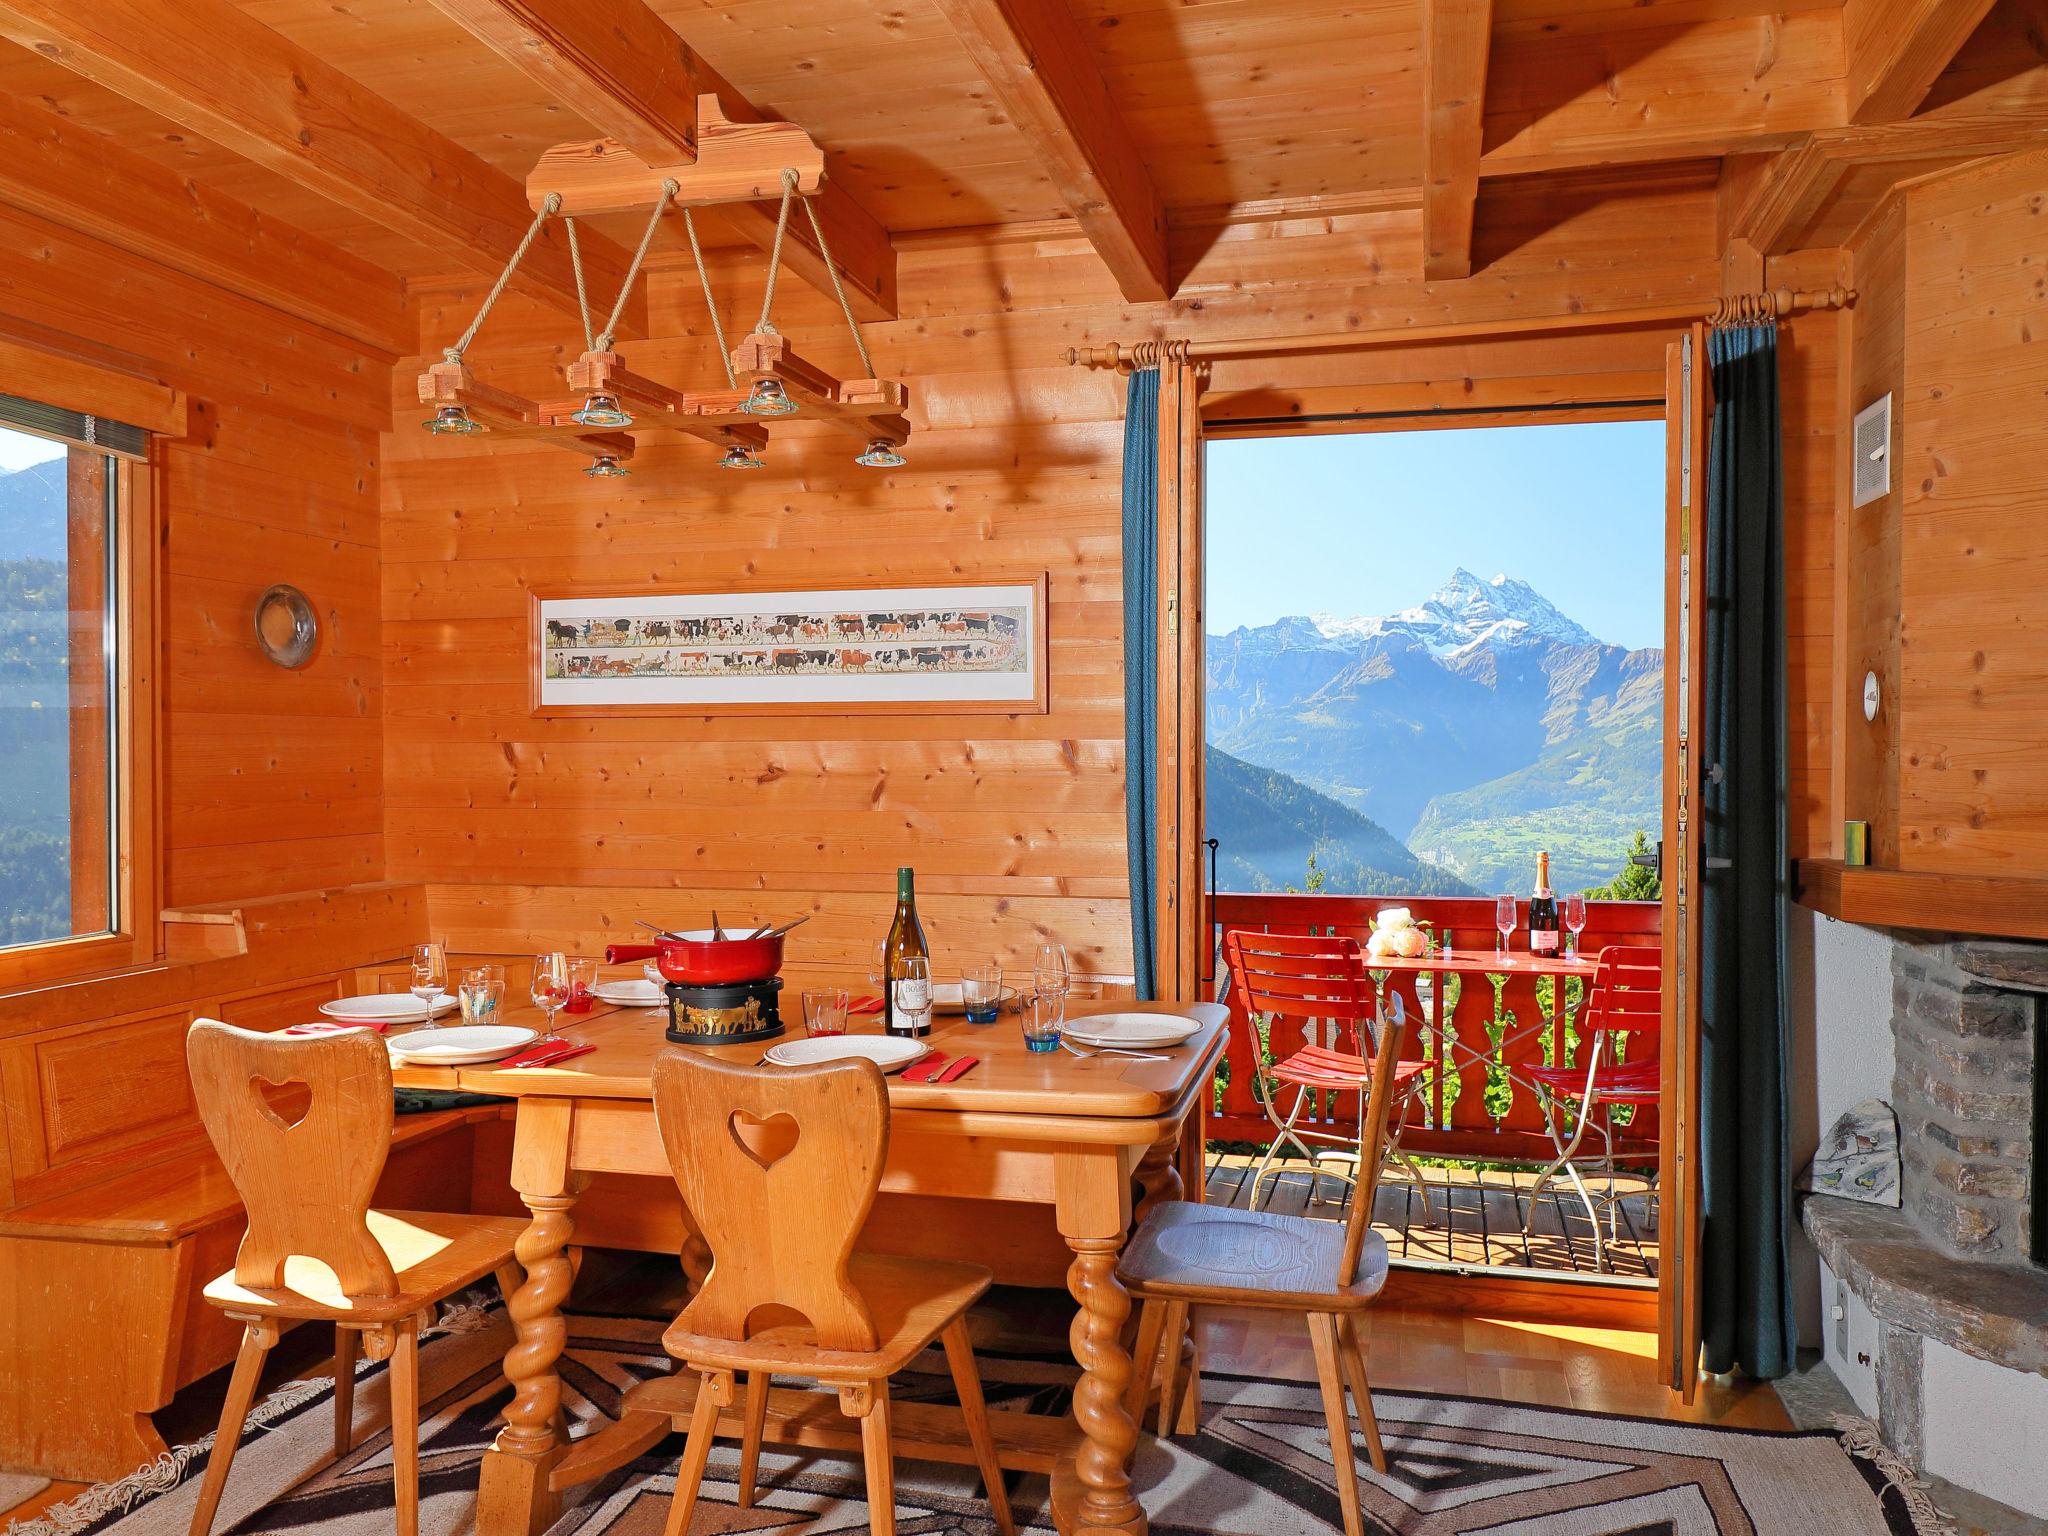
906 940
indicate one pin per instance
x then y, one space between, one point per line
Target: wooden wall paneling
1869 577
1896 49
1974 665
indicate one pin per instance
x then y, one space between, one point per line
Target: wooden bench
100 1313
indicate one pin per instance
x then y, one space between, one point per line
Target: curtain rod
1730 309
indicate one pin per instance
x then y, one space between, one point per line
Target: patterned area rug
1260 1466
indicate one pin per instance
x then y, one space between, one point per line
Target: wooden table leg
513 1497
1092 1495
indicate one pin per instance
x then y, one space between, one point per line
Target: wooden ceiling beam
1897 49
87 182
1040 70
1634 96
620 66
219 73
1795 190
612 62
1456 38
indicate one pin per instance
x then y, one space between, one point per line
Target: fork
1108 1050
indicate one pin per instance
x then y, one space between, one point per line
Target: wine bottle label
1543 942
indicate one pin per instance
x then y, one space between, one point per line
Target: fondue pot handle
619 954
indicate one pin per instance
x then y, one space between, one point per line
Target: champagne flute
1504 920
551 988
1575 918
429 976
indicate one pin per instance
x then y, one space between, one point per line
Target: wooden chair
1185 1255
778 1169
314 1249
1319 980
1627 999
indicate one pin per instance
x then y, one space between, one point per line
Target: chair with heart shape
778 1168
315 1250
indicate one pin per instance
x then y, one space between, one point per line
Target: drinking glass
429 976
878 966
981 992
1049 973
1504 920
483 995
825 1011
1575 918
582 977
550 988
913 984
1044 1016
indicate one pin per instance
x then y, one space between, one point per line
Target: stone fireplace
1966 1020
1937 1313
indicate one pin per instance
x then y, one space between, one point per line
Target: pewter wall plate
287 629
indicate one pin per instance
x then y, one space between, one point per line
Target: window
73 629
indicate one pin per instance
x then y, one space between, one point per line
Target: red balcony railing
1473 1107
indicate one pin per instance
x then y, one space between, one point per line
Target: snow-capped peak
1465 611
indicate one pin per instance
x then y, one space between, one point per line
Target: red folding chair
1322 982
1627 999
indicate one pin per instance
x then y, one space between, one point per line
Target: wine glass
429 976
551 988
1050 976
913 995
878 967
1504 920
1575 918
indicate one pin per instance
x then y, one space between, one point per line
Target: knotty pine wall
534 832
1941 588
272 781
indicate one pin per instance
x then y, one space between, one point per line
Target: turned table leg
1092 1496
513 1497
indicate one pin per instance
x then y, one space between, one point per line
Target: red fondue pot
695 959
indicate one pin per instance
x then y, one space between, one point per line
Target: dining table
1093 1138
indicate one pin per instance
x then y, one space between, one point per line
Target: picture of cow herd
912 641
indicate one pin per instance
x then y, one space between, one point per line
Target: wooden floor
1473 1220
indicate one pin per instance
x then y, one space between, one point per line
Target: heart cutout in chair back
767 1141
283 1104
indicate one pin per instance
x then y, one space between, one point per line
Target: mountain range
29 529
1473 729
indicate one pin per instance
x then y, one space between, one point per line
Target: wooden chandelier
607 404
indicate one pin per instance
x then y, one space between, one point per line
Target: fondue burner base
738 1014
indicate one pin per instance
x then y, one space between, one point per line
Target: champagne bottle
906 939
1543 924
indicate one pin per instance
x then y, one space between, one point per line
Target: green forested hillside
35 782
1268 824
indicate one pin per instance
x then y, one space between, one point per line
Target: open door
1183 931
1688 411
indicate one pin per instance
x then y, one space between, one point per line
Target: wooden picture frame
959 648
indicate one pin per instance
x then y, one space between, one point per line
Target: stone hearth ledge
1998 1312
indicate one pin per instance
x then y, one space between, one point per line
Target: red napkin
925 1068
546 1053
959 1068
865 1005
330 1027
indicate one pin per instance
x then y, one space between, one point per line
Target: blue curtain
1746 1316
1141 662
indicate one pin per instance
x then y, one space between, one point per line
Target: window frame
136 864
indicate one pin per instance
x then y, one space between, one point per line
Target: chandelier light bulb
740 456
606 466
452 421
880 454
768 398
601 411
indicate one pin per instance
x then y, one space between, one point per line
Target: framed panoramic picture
877 650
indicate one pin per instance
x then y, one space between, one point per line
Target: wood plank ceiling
1145 122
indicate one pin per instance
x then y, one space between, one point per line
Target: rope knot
552 203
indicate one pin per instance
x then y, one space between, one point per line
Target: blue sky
18 450
1373 522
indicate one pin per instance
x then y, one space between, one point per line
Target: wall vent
1873 451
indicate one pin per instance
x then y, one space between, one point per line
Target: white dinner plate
1132 1029
630 994
383 1007
891 1053
463 1046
